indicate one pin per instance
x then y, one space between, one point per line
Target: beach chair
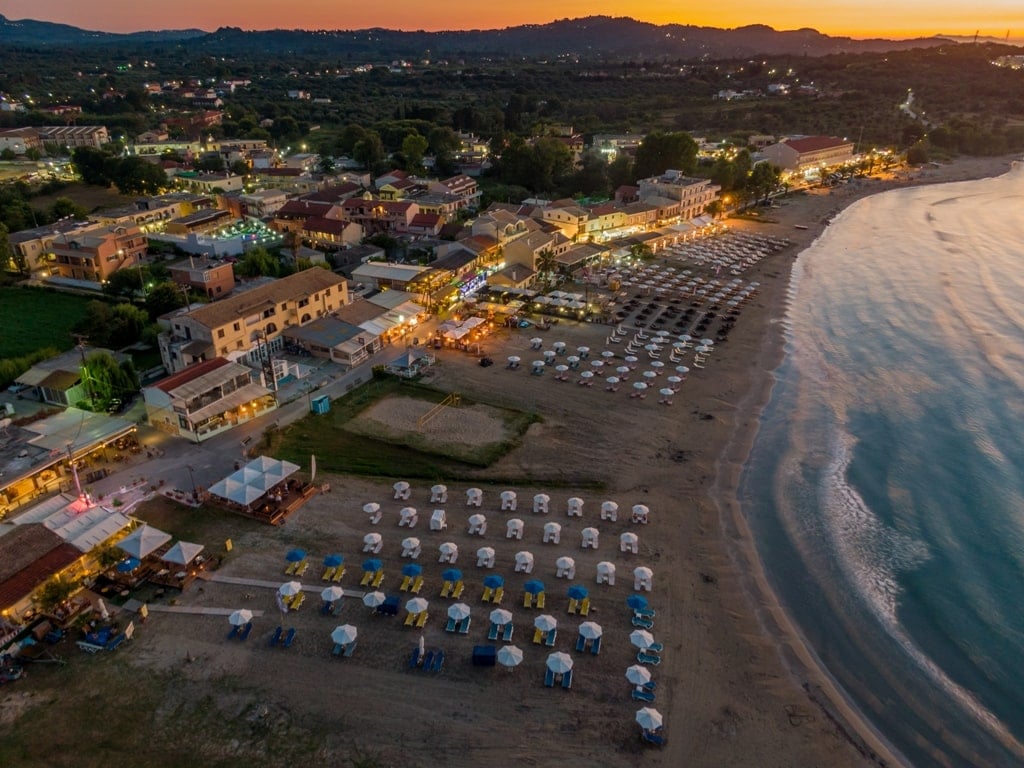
338 573
235 629
538 636
550 641
414 658
452 625
573 605
639 694
656 648
422 619
567 680
378 578
488 592
428 660
417 585
585 606
286 601
244 634
367 578
298 600
457 590
653 737
303 567
338 649
498 595
289 638
646 612
549 679
410 620
328 574
540 600
446 588
438 664
492 633
464 625
406 583
350 649
581 644
642 622
290 570
527 600
276 637
648 658
506 634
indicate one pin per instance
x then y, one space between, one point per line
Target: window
237 327
220 333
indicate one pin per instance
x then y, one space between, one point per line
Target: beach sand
736 685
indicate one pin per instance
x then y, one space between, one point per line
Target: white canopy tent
251 482
143 540
182 553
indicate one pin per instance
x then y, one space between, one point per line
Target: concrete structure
95 251
677 195
262 203
74 135
337 340
808 152
249 325
214 279
58 380
206 399
385 274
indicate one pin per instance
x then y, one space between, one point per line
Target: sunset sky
856 18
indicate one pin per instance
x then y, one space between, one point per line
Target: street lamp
191 477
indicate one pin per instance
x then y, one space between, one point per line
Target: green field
32 319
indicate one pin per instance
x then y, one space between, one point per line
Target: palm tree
546 266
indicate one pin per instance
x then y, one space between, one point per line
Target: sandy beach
736 684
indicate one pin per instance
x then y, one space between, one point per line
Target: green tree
258 262
211 162
659 152
163 298
369 150
54 592
326 164
414 147
763 180
65 206
135 176
107 380
7 155
240 168
10 259
546 265
93 165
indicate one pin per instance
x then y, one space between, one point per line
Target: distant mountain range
593 38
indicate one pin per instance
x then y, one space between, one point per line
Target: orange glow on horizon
869 18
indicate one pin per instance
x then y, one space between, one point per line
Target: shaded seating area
264 489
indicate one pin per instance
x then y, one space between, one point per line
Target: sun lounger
653 737
549 678
646 612
428 659
378 579
367 578
567 680
417 585
350 649
550 641
422 619
488 592
527 600
286 601
656 648
325 608
414 658
338 649
328 574
446 589
464 625
506 635
581 643
406 583
648 658
338 573
235 629
452 625
276 637
298 600
290 570
573 605
410 620
457 591
499 593
585 606
540 600
303 567
643 622
492 633
289 638
595 647
639 694
438 664
244 634
538 636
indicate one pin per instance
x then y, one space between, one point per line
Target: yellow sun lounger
527 600
457 591
297 601
585 606
446 589
378 578
328 574
573 605
540 600
422 619
417 585
488 592
406 583
303 567
499 593
290 570
367 578
538 636
338 573
410 620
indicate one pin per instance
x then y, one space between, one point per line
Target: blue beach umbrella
576 592
636 602
412 569
493 581
372 565
452 574
333 561
295 556
534 586
128 565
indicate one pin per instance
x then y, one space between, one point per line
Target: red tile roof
29 555
174 381
816 143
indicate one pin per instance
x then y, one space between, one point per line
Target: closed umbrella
641 638
649 718
332 593
638 675
240 618
374 599
493 581
591 630
559 662
458 611
344 634
290 588
416 605
546 622
500 616
510 656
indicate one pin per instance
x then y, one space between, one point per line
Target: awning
249 392
252 481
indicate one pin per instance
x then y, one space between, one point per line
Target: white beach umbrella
591 630
649 718
510 656
289 588
639 386
344 634
638 674
332 593
240 618
565 562
641 638
410 543
458 611
417 605
545 622
559 662
373 599
642 572
500 616
371 508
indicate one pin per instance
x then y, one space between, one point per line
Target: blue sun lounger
653 737
595 647
428 660
506 635
414 658
235 629
244 634
351 649
648 658
549 679
494 631
550 641
289 638
639 694
438 664
338 649
643 622
464 625
277 636
581 643
567 680
452 625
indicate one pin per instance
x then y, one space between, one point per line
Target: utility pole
80 343
74 473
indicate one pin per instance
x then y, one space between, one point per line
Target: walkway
158 608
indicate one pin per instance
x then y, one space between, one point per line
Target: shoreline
795 652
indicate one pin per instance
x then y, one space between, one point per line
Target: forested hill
595 38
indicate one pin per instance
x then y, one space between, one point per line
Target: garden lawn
32 318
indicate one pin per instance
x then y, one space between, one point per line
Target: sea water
885 489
